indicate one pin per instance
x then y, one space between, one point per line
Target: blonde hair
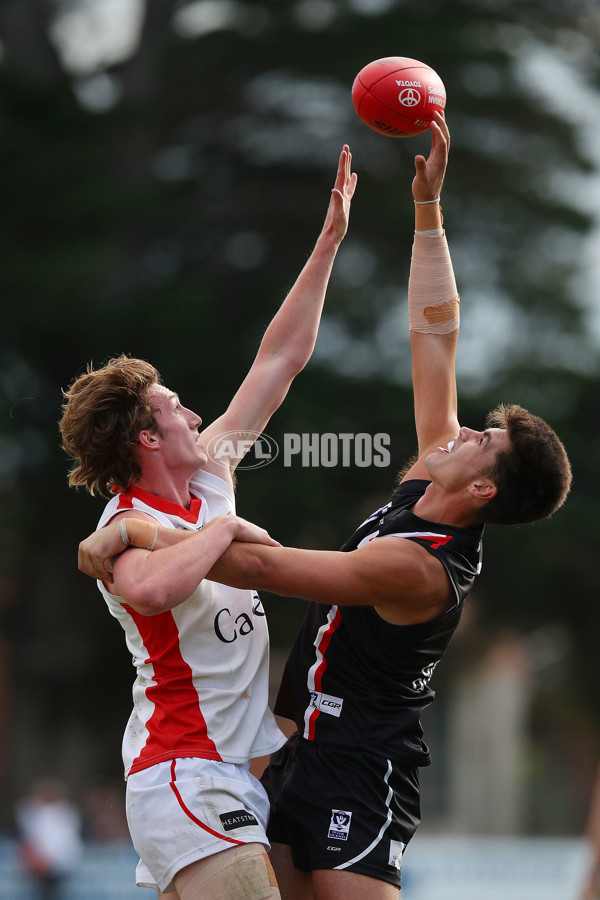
103 412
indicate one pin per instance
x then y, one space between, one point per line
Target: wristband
433 232
426 202
124 533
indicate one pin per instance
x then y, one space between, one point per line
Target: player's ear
148 439
483 489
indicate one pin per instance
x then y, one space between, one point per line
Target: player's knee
241 873
251 876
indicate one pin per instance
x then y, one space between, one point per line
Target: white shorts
184 810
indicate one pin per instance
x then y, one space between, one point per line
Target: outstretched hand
427 183
338 212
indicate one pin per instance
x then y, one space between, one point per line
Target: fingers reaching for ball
338 213
429 177
345 182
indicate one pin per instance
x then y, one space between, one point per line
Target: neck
437 505
168 487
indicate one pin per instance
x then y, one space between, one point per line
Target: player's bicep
424 588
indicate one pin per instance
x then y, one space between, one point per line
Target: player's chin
435 459
430 460
201 458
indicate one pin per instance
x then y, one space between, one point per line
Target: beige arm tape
433 301
138 533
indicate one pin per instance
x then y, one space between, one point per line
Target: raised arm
290 338
433 307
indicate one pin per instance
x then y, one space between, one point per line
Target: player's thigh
241 873
332 884
171 895
293 884
187 810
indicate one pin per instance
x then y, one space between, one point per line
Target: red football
397 96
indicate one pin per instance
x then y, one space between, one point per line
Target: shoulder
399 555
409 585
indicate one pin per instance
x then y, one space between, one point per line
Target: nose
468 434
193 420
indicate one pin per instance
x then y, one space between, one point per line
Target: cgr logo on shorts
339 826
238 818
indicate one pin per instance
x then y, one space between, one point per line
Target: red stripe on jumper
191 815
177 723
160 504
321 668
436 542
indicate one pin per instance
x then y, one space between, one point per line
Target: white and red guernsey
202 668
353 680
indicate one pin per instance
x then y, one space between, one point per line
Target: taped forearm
138 533
433 300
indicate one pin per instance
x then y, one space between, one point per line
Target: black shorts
338 809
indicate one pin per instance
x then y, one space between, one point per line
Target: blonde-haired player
196 815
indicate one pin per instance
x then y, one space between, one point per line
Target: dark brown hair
103 412
533 477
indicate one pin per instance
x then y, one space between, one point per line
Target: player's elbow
150 597
288 362
146 605
296 361
150 607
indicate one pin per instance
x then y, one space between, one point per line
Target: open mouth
447 448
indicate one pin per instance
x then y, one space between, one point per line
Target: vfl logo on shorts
237 819
325 703
339 827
